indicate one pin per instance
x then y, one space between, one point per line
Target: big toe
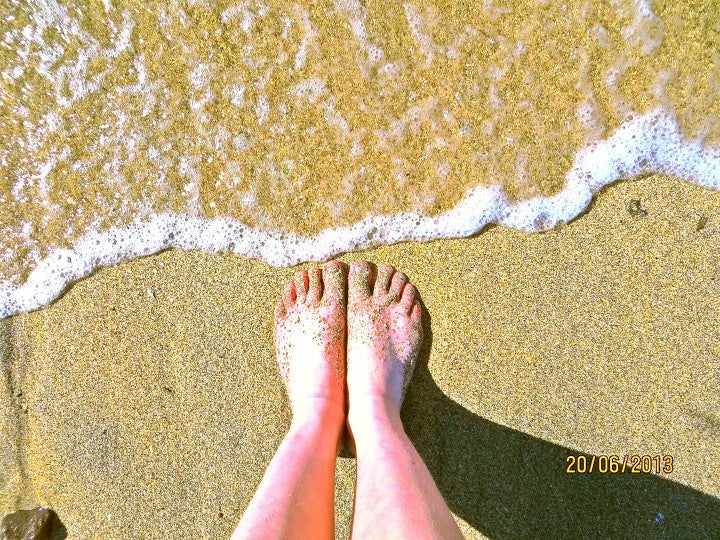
360 280
333 275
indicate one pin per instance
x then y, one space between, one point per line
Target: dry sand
145 402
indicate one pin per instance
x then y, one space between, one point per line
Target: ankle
373 415
318 413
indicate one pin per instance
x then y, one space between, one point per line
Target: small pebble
36 524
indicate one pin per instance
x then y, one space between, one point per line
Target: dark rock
701 224
36 524
635 209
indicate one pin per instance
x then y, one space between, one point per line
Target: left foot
384 336
310 325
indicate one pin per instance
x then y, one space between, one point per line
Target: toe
334 283
416 319
301 285
360 279
382 283
287 300
289 295
396 285
315 286
408 297
416 313
280 309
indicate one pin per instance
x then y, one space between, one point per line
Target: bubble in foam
200 76
310 90
236 92
262 109
375 54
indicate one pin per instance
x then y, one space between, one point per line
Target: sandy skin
382 322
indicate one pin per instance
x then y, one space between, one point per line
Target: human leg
395 496
295 497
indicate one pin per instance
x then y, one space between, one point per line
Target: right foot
310 341
384 335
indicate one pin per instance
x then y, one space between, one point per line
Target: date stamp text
634 464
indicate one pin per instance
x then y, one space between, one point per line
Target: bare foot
310 323
384 335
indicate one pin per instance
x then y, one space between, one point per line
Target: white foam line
649 143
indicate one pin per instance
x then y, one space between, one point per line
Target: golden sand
146 401
153 402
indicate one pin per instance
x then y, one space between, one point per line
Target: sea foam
647 143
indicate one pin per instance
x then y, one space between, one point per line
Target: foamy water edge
650 143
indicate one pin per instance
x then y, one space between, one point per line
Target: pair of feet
347 341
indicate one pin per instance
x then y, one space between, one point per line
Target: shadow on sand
507 484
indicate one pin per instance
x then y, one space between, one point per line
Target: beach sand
146 403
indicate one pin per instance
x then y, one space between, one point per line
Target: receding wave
292 132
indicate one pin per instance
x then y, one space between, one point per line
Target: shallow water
294 132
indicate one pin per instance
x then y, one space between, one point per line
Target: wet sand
145 402
307 117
